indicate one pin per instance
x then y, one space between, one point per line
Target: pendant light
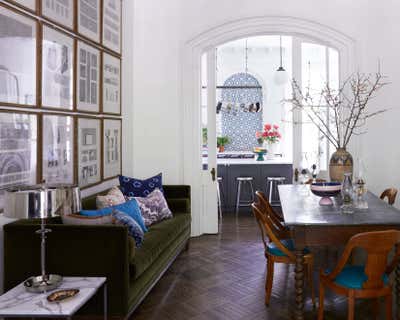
281 76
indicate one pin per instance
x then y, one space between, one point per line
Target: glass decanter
347 194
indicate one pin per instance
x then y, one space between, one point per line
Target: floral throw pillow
112 198
134 230
154 208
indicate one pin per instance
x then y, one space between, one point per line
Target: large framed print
57 69
112 24
17 58
30 4
88 78
112 147
57 149
18 150
59 11
89 151
89 19
111 84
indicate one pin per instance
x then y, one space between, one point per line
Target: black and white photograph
18 150
112 24
88 78
17 58
59 11
30 4
111 84
111 148
88 151
57 73
89 19
58 146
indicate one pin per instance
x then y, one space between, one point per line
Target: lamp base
40 284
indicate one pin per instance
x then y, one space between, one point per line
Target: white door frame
191 85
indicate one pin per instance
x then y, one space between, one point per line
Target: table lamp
42 202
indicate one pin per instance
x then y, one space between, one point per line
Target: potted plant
270 137
222 142
348 110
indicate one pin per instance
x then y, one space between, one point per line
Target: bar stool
220 193
242 181
272 189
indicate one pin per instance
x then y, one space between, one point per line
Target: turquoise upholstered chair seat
288 243
353 277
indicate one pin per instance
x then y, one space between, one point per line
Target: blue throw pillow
132 187
134 230
130 207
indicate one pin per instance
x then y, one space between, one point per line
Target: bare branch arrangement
347 106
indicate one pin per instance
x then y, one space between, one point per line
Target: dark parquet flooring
222 277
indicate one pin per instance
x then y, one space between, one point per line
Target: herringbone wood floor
222 277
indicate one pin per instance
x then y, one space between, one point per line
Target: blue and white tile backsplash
241 128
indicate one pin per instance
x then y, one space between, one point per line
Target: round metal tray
38 284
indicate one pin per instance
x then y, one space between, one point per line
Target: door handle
213 174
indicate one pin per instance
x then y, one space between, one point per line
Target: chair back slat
267 209
390 194
267 227
377 245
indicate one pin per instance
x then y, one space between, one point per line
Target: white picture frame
59 11
57 69
58 149
18 150
111 84
89 155
112 24
30 4
112 136
88 78
17 58
89 19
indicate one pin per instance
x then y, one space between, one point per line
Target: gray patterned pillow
154 208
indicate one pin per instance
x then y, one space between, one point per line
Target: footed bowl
326 190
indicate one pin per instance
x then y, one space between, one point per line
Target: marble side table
18 303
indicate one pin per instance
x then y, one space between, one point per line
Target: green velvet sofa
104 250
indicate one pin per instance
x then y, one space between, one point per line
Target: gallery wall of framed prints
60 92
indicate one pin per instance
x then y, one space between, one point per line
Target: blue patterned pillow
130 207
132 187
134 230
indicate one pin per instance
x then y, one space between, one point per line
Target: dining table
316 225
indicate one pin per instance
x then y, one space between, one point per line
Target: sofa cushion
159 237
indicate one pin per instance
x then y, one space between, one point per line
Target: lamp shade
281 76
41 201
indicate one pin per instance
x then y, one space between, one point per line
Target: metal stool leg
252 191
270 186
238 196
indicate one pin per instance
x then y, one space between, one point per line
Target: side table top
19 302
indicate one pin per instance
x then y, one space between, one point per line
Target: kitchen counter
278 160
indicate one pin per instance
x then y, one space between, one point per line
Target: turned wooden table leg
299 285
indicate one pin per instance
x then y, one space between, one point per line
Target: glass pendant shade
281 76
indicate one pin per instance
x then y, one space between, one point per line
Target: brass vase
340 163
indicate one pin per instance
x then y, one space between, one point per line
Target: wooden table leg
397 290
299 285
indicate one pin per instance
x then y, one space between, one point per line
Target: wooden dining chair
390 194
279 251
369 281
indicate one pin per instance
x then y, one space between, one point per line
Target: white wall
161 28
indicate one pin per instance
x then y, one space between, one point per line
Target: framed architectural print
89 19
59 11
17 58
57 69
88 78
30 4
112 24
18 150
111 84
89 151
57 148
111 147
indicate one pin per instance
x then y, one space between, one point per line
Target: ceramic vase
340 163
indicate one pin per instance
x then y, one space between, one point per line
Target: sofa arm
71 251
